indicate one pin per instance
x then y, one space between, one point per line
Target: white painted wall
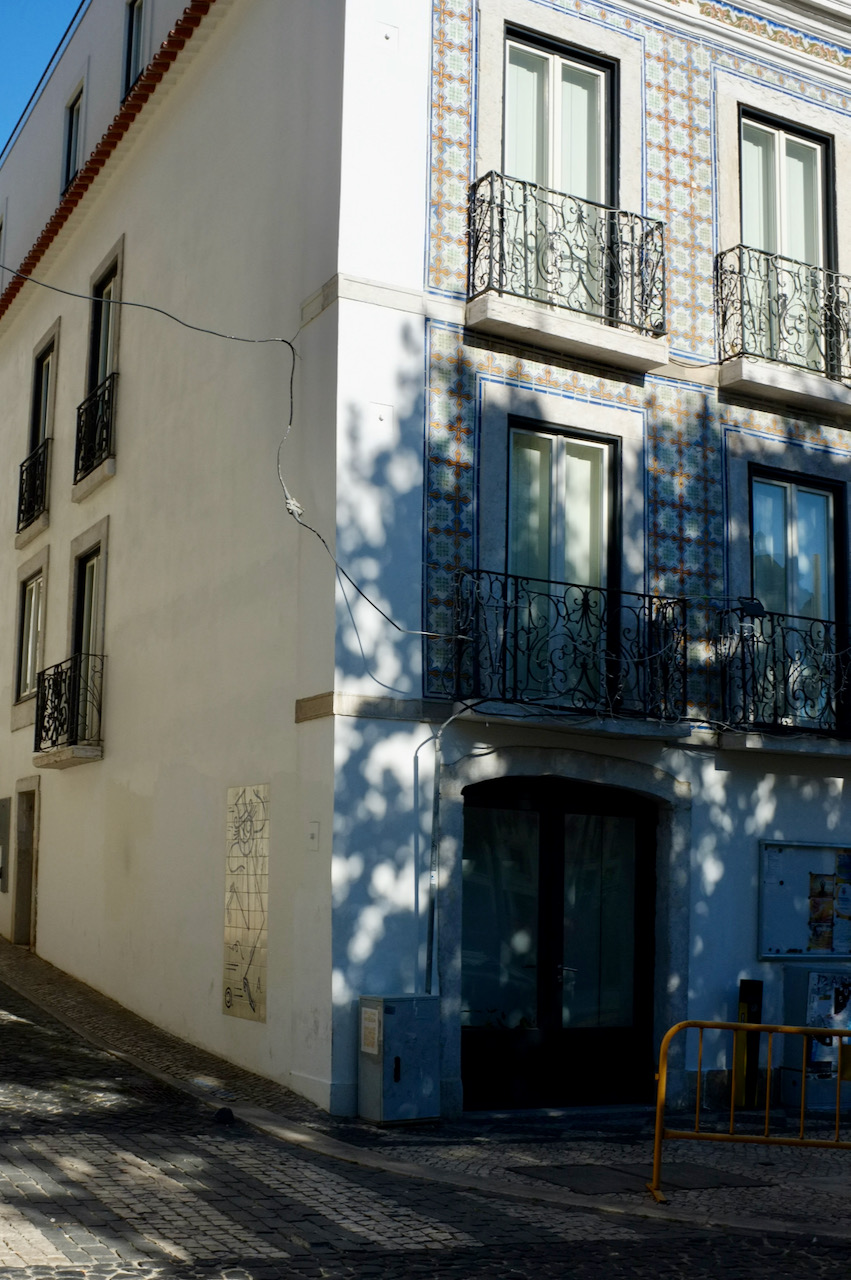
92 56
218 609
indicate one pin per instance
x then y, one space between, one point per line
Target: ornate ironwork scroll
550 247
68 703
775 308
570 647
32 488
95 428
782 672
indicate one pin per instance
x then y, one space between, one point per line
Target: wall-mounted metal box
800 986
399 1058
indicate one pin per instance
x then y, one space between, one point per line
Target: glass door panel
769 545
813 567
87 628
599 921
759 187
582 514
581 230
526 124
580 171
530 505
802 240
499 965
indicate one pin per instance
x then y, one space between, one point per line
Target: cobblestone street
107 1171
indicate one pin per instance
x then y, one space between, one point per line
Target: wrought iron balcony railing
570 647
95 428
32 487
775 308
550 247
68 703
782 672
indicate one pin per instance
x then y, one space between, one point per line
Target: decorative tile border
451 168
788 37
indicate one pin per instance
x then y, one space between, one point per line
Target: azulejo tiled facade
686 427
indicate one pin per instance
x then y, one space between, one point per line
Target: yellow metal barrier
807 1034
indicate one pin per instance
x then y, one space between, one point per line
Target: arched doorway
558 928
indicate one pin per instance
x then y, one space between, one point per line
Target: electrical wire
296 510
147 306
294 507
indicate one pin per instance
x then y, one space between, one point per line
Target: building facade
534 316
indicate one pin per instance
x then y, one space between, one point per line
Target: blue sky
30 30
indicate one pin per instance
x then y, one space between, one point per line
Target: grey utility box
399 1058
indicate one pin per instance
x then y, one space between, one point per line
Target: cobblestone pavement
107 1171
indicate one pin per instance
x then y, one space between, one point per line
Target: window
793 569
33 482
41 402
555 143
73 138
133 45
558 544
87 636
554 162
68 705
786 667
555 122
29 647
102 352
782 178
95 442
28 655
559 508
786 245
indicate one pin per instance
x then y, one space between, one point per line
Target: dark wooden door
557 945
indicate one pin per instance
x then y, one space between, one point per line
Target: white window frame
32 606
23 703
82 546
134 45
73 145
42 399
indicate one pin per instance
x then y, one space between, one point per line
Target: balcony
95 429
68 712
32 486
566 274
783 674
569 648
784 329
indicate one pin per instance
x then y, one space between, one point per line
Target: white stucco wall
219 611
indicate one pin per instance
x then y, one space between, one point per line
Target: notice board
805 901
